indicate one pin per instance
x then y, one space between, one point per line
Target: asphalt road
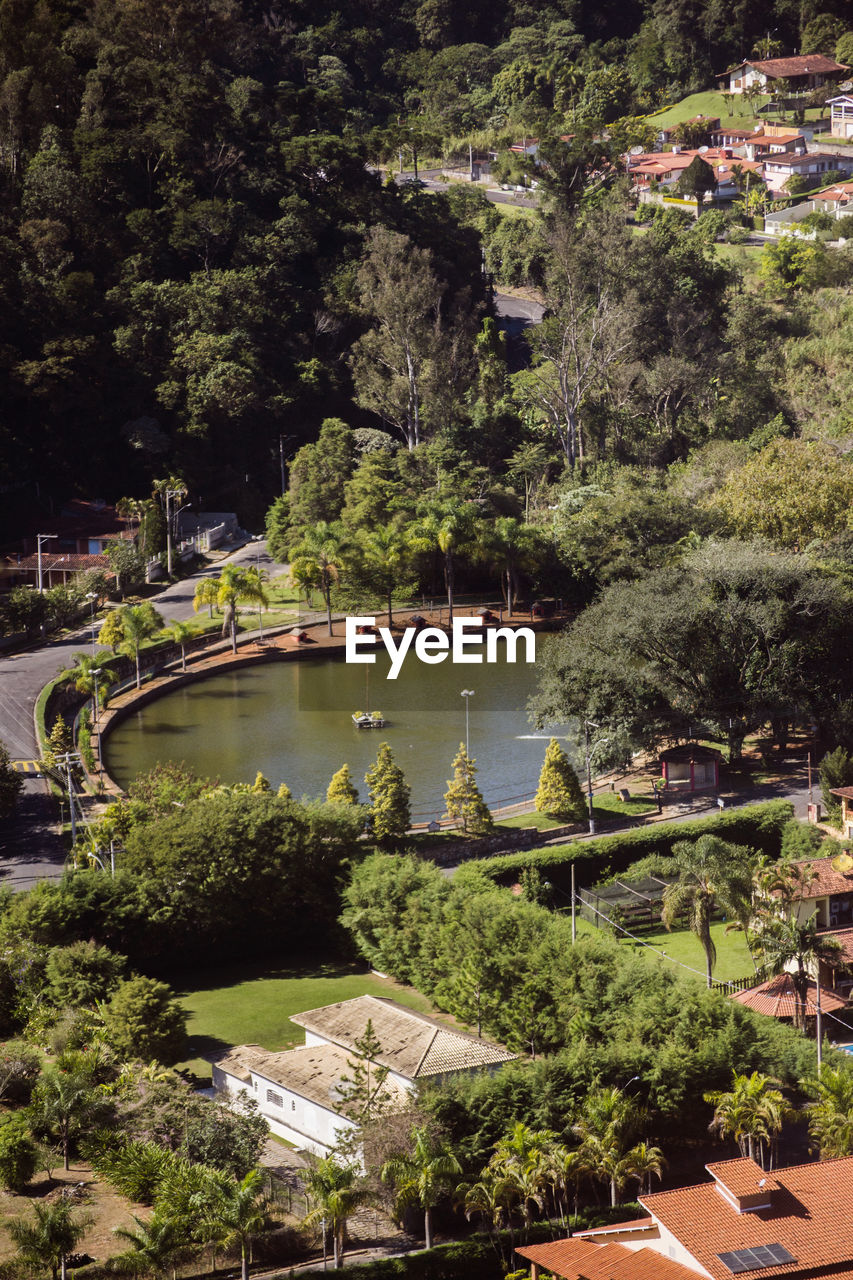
30 844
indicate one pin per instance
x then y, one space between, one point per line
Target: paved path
30 845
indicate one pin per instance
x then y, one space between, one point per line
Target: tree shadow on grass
233 975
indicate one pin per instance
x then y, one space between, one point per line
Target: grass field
607 808
514 210
709 103
733 958
252 1004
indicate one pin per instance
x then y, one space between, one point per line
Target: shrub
18 1153
143 1021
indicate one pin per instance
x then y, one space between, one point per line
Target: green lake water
292 720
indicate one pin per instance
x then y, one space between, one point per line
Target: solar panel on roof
754 1259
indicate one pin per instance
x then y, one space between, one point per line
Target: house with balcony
813 166
799 74
841 115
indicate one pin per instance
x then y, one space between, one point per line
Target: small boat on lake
368 720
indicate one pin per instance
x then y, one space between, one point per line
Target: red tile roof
67 562
781 68
846 793
617 1228
777 998
826 879
807 1216
741 1177
577 1259
845 938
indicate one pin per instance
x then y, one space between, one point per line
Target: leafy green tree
752 1112
63 1106
712 876
341 789
11 782
337 1190
608 1122
514 548
790 263
20 1066
235 1215
390 813
48 1238
18 1153
82 973
559 792
318 474
697 180
140 622
421 1176
237 586
463 797
448 528
835 770
143 1020
831 1112
126 564
381 559
321 552
278 527
206 595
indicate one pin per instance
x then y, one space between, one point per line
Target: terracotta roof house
845 794
798 74
791 1222
777 998
577 1259
298 1090
75 542
828 890
837 199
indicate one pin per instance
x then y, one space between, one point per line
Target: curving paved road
30 844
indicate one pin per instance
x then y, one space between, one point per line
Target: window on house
275 1098
293 1106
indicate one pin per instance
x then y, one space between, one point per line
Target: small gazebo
778 999
690 767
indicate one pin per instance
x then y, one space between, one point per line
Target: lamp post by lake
92 597
467 694
587 725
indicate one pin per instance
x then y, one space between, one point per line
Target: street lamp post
467 694
92 596
587 725
40 538
170 493
258 538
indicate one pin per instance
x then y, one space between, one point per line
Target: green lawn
252 1005
733 958
515 210
709 103
607 808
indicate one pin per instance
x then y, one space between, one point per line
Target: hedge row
759 826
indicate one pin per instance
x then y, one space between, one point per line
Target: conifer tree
559 794
58 741
341 789
463 797
284 792
389 798
362 1093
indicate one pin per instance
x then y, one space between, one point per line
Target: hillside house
798 74
298 1091
837 200
76 542
788 1223
841 116
809 165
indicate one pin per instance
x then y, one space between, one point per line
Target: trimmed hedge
758 825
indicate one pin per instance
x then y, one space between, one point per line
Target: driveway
30 845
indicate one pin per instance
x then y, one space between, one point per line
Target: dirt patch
91 1199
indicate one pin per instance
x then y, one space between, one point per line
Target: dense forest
199 261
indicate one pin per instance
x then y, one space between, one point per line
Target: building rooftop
778 999
577 1259
825 881
412 1044
312 1071
799 65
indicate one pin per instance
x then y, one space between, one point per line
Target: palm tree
234 1214
47 1241
206 594
385 552
609 1119
337 1190
322 549
491 1200
139 623
155 1246
712 875
421 1177
512 547
237 586
62 1102
448 528
180 633
305 576
786 943
752 1113
831 1114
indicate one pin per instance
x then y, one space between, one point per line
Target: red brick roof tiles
826 879
807 1216
778 999
576 1259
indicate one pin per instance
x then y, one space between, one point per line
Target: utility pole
587 725
66 761
819 1022
40 538
467 694
96 671
281 464
170 493
574 927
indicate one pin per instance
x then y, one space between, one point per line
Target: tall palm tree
338 1191
304 576
156 1246
139 623
48 1240
62 1102
785 943
491 1200
608 1121
234 1214
206 594
422 1176
752 1113
712 876
447 528
385 553
513 547
831 1114
323 547
180 633
237 586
